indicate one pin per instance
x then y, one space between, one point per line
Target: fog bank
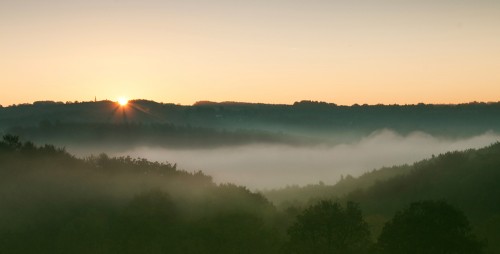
273 166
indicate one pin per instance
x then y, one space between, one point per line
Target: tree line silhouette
302 118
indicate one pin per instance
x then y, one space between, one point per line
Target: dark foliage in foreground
467 179
327 227
52 202
431 227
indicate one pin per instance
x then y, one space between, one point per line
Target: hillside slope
467 179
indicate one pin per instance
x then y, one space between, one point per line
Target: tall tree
431 227
327 227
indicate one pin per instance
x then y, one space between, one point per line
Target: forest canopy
102 204
240 123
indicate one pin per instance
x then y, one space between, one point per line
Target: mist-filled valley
260 146
312 177
268 166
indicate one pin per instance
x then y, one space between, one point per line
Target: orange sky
273 51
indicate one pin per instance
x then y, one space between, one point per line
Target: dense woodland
53 202
239 123
126 136
466 179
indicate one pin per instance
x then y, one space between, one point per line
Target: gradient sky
273 51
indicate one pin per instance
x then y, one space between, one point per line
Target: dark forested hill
467 179
295 194
52 202
306 118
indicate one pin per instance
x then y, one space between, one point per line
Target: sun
122 101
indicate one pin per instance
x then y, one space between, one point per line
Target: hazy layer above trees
265 166
329 122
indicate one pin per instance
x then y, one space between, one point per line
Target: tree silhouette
11 142
429 227
327 227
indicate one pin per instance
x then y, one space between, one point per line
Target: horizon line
208 102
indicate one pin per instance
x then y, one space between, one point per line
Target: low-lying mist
275 166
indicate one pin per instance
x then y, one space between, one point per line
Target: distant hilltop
239 103
323 103
306 117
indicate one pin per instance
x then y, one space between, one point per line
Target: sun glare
122 101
